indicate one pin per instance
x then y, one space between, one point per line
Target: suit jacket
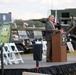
49 31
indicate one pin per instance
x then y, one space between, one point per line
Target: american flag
25 24
15 25
56 17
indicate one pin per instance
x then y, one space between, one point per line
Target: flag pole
52 4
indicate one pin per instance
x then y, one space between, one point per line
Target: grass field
72 53
68 54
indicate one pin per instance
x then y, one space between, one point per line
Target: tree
19 22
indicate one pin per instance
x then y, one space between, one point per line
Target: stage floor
30 63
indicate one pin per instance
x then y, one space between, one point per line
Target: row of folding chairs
11 55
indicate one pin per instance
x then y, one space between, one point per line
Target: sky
33 9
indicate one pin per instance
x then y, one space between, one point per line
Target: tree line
32 22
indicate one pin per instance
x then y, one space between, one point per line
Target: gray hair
50 16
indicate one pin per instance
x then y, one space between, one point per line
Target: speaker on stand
37 54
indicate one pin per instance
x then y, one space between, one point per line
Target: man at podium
50 30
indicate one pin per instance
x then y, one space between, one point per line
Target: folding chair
15 50
4 61
5 57
10 55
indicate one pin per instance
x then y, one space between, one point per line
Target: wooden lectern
59 51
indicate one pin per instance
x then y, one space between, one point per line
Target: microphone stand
2 64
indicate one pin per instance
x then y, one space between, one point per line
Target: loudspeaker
37 52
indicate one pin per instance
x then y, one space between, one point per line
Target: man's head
51 18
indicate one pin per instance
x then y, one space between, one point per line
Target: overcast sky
33 9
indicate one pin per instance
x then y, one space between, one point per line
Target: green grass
27 54
68 54
72 53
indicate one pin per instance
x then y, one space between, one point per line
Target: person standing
50 28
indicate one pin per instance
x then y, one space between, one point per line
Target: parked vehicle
22 41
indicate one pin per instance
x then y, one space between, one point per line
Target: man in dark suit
50 29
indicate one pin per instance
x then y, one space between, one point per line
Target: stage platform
51 68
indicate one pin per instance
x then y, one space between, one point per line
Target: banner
70 47
5 32
5 27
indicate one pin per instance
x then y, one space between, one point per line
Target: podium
59 51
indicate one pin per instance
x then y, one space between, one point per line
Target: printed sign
5 27
70 47
5 30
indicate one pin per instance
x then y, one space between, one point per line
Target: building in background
67 20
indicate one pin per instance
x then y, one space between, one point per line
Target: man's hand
57 31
